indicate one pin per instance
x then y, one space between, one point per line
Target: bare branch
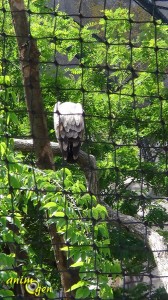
29 58
86 162
152 239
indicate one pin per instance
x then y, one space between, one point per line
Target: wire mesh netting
95 228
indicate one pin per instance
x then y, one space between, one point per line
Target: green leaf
12 117
49 205
116 269
76 285
5 80
106 292
67 171
77 264
15 181
102 228
66 248
60 214
6 260
102 211
3 148
82 293
6 294
3 221
74 237
95 213
5 275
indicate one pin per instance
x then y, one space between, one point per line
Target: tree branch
154 241
29 59
86 162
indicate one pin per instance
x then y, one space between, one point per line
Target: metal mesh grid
96 229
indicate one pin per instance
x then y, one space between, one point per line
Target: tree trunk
155 242
29 59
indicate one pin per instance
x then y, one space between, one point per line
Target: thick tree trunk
29 59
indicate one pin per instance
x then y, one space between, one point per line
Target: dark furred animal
69 128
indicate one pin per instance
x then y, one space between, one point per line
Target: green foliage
157 215
74 218
120 114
